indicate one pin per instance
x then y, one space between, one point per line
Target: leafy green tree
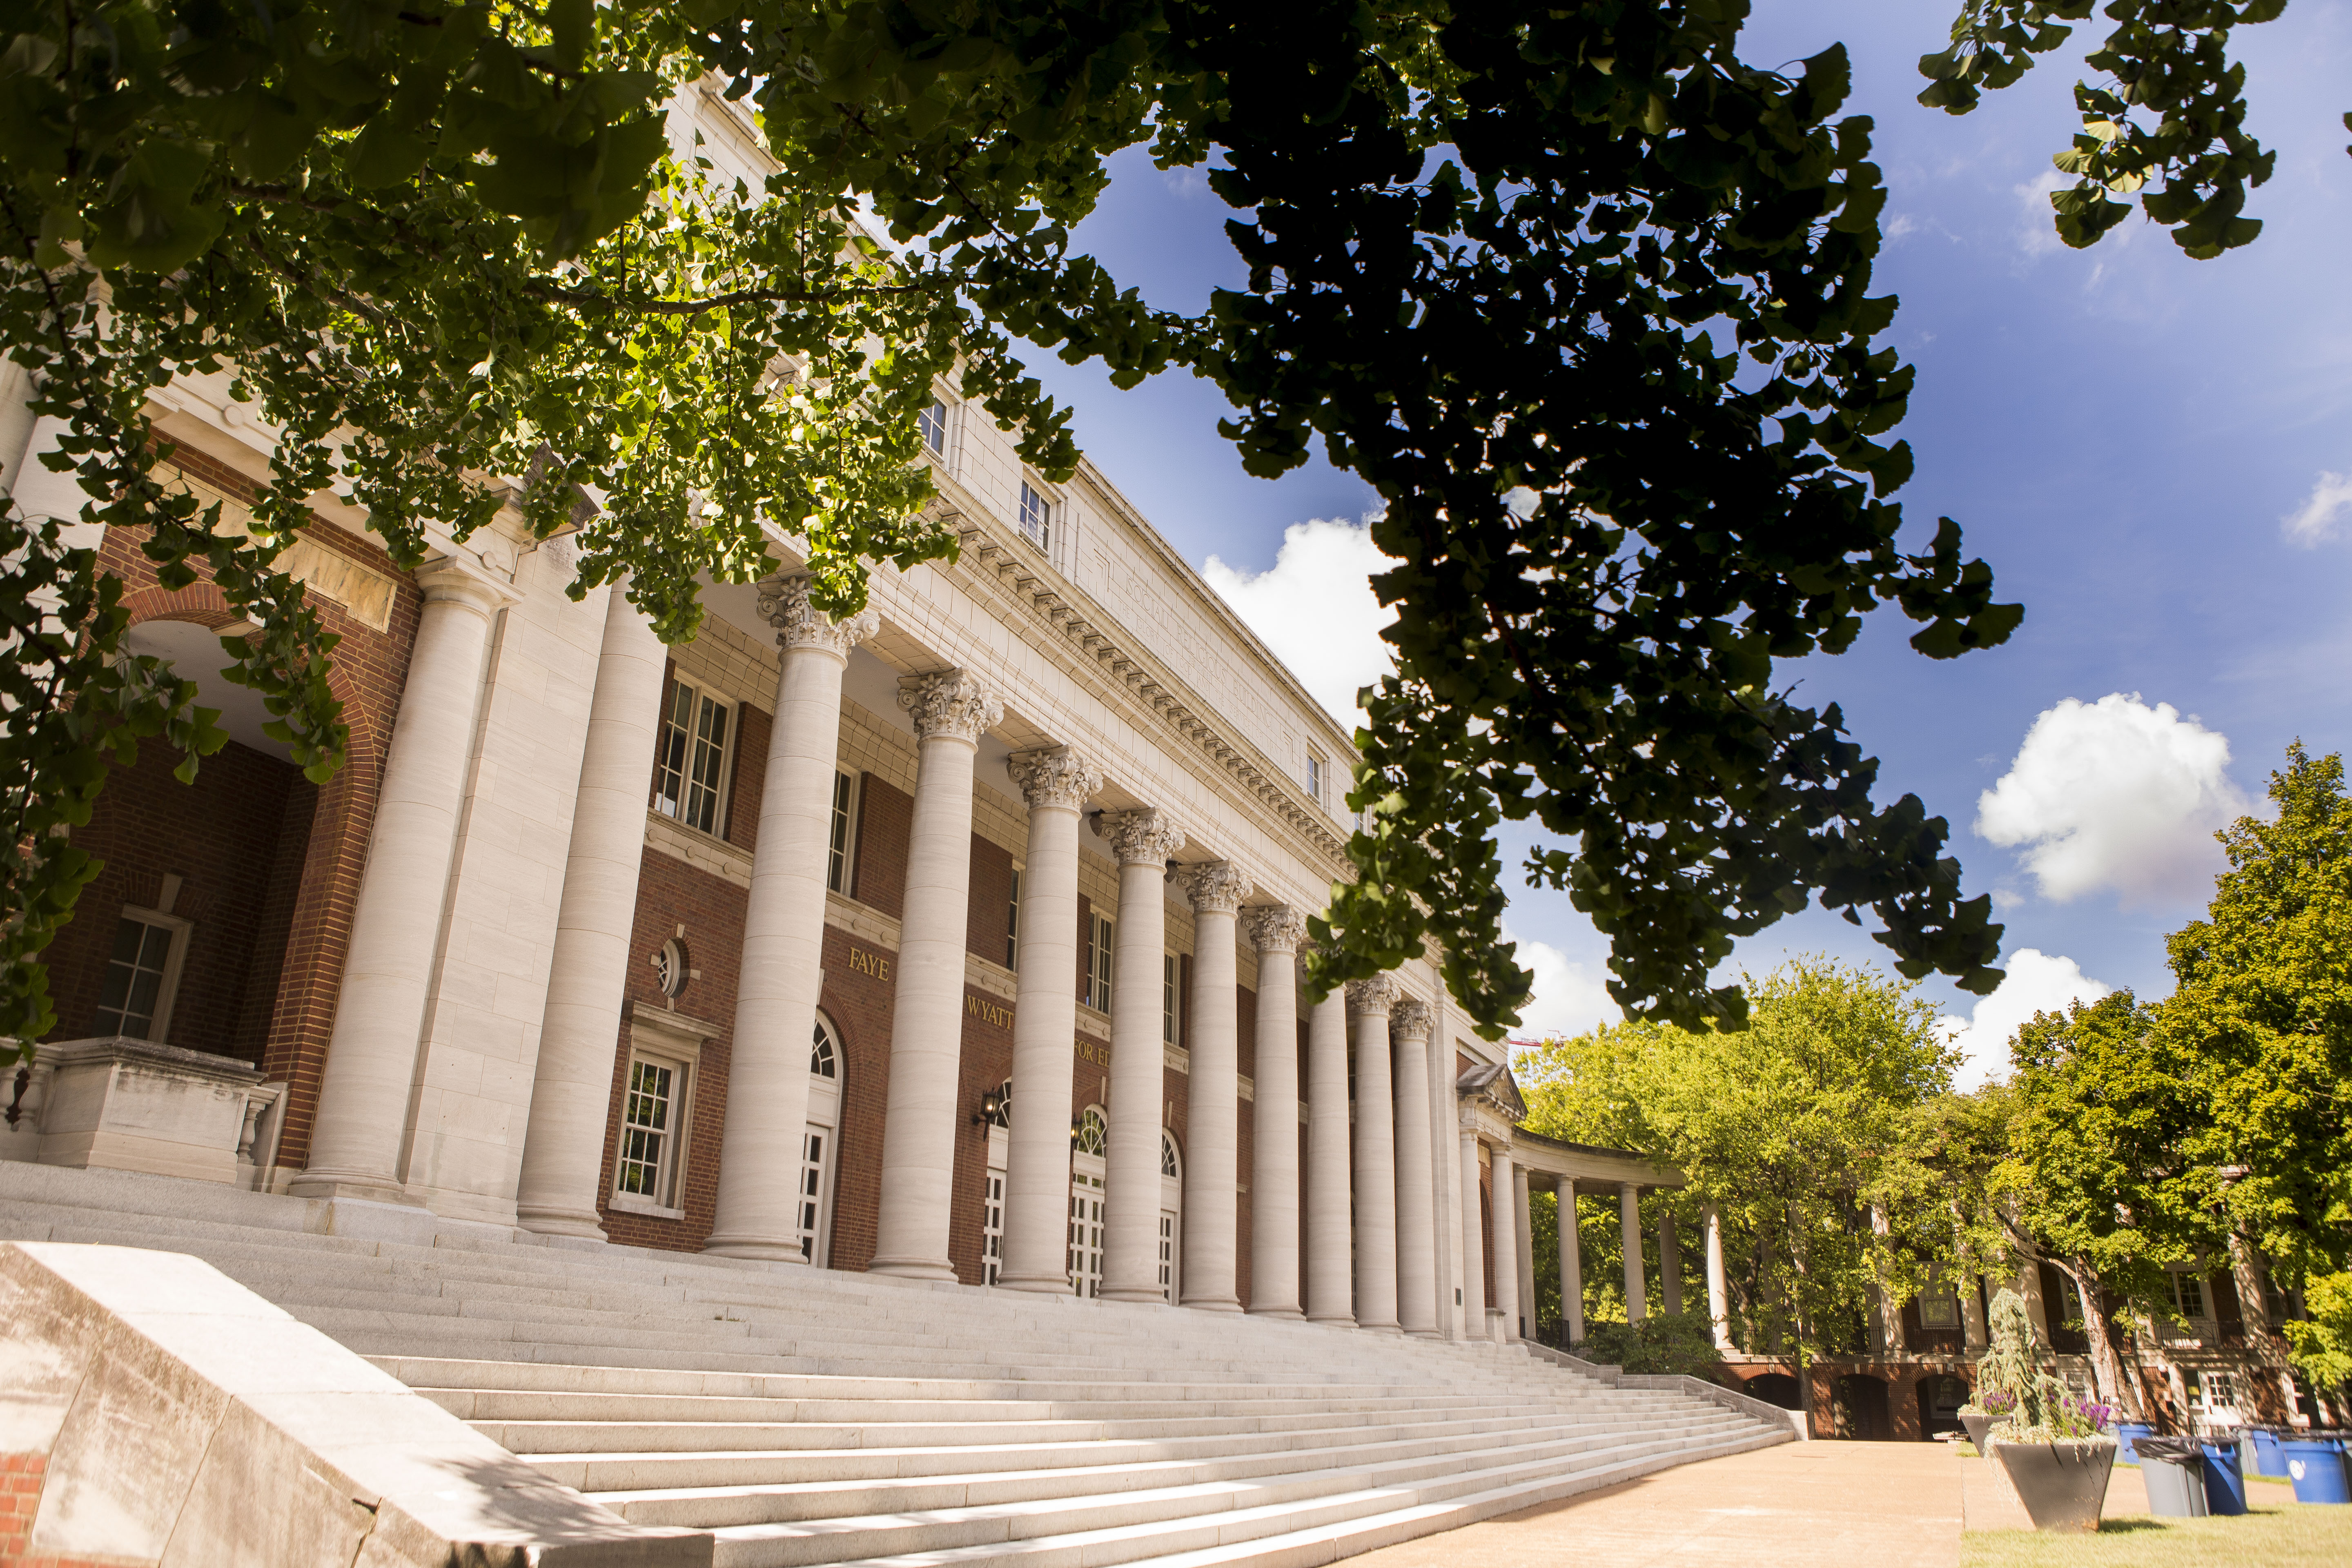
2101 1173
1585 296
1824 1108
2260 1018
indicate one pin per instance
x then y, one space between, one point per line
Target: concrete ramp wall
153 1411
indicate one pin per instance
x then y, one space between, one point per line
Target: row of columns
1511 1245
1373 1256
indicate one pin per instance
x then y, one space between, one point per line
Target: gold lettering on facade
1090 1052
991 1013
862 962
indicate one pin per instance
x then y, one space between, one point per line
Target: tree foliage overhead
1585 296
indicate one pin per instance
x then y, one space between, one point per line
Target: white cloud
2314 522
1569 998
2115 794
2036 233
1315 608
2038 983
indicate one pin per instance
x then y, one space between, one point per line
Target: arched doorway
1940 1398
1089 1138
820 1144
1775 1388
992 1185
1171 1217
1859 1406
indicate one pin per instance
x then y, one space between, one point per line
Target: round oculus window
670 969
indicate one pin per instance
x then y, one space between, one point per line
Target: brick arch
200 602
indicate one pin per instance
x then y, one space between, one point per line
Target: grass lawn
2274 1533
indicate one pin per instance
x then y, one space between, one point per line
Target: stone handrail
1696 1387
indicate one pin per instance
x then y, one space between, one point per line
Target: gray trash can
2173 1468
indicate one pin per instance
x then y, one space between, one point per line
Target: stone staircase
805 1416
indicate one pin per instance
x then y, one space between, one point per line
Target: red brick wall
21 1479
991 899
752 730
221 834
886 816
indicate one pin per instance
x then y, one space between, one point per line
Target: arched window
1168 1155
1089 1136
1171 1214
1093 1134
992 1185
824 1058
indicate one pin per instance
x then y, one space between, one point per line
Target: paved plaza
1890 1505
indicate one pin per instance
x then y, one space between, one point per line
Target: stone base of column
1150 1297
1284 1314
1041 1285
1212 1303
585 1224
374 1189
1425 1334
1382 1329
1344 1321
755 1248
908 1268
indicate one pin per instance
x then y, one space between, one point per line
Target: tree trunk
2106 1367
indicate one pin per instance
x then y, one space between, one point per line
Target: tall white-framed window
1315 770
1171 1216
1098 949
842 832
1013 924
2188 1297
142 974
1089 1141
1172 998
656 1127
690 759
992 1192
933 424
820 1145
1037 509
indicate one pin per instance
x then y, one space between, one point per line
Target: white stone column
1524 1213
950 710
1056 784
1629 1216
571 1083
1670 1264
1446 1200
1330 1261
1973 1338
1571 1266
1276 929
1376 1198
1718 1290
1473 1240
783 933
1144 841
1212 1092
1505 1239
396 923
1415 1172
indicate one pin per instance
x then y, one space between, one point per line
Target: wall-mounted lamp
993 1104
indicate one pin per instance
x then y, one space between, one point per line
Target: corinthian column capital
1410 1019
1278 928
1217 887
1377 994
784 604
1146 836
1054 776
950 702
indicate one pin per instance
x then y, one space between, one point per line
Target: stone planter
1978 1423
2061 1484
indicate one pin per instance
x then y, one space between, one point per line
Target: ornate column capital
1054 775
1410 1018
784 604
950 702
1146 836
1374 995
1217 887
1278 928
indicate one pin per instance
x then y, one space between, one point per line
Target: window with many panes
1098 963
141 974
934 426
837 859
2189 1295
1036 517
650 1114
1172 998
991 1226
1012 925
690 767
1314 778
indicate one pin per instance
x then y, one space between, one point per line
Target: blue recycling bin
2315 1466
2126 1434
2268 1460
2225 1487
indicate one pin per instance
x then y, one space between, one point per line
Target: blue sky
2155 455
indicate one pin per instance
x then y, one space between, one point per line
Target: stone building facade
957 941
